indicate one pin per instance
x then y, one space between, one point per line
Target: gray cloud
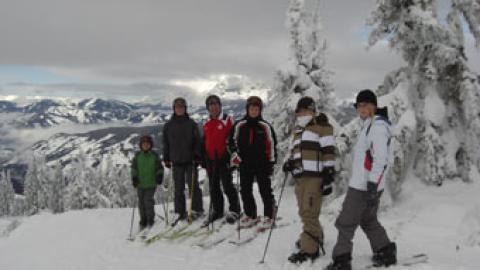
123 42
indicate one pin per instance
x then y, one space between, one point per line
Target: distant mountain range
118 143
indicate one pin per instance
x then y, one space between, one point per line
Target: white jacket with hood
375 138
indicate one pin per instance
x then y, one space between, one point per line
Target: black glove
288 166
372 194
135 181
168 164
328 177
269 169
159 179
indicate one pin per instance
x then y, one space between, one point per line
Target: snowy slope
443 222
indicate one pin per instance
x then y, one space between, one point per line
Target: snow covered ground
442 222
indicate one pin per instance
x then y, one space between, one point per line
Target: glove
288 166
168 164
269 169
372 194
328 177
159 179
235 160
135 181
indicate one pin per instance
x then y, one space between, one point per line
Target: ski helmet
366 96
213 98
306 103
254 101
179 101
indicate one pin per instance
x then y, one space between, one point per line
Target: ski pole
132 220
274 218
238 192
192 186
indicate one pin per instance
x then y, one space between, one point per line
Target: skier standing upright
181 152
370 163
217 161
253 146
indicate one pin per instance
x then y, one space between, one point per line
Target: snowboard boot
342 262
302 256
232 217
385 256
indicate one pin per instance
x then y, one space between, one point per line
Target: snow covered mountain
49 113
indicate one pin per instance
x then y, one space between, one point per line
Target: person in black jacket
252 144
181 152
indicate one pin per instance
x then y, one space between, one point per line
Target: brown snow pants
308 191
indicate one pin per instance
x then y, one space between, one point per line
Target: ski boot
232 217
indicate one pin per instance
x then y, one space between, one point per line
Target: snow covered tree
305 75
84 185
7 194
57 190
434 100
33 189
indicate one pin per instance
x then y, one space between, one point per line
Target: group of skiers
249 146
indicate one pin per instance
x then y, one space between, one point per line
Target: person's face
304 112
253 111
145 146
365 110
179 110
214 109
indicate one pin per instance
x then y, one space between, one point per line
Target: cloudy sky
131 50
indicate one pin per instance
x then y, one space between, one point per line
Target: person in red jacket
217 161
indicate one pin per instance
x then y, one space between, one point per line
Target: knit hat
305 103
366 96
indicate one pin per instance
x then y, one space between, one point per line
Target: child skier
370 164
312 163
253 146
147 173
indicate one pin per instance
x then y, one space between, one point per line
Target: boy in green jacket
147 173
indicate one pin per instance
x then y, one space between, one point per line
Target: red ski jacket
216 132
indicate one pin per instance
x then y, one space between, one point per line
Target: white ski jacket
374 139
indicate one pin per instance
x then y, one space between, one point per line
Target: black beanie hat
212 98
366 96
306 103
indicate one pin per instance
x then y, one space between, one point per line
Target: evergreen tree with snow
57 190
7 194
434 99
33 189
305 75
